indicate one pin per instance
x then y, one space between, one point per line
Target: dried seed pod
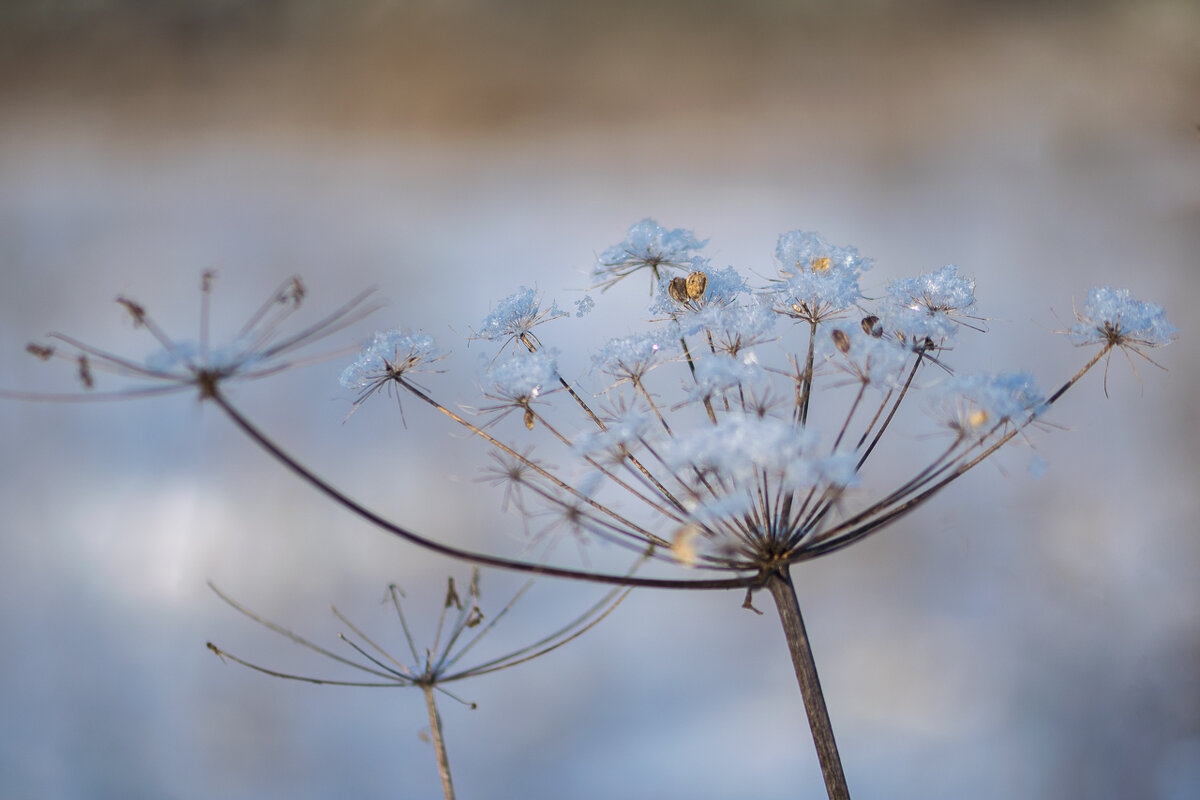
841 340
44 352
696 283
135 310
85 373
529 418
452 598
871 326
678 290
821 264
292 294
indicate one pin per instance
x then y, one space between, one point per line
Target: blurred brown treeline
508 65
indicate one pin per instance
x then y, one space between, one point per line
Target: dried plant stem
807 378
439 742
479 559
779 583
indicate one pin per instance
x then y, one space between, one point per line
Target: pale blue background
1016 638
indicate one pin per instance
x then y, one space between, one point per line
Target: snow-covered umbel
1112 316
735 431
980 406
516 315
818 280
389 356
523 377
929 307
649 246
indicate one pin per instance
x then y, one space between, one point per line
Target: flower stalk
779 584
439 742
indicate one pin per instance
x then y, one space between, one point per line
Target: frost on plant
1114 319
649 246
1111 316
392 356
261 348
726 423
514 318
817 281
726 441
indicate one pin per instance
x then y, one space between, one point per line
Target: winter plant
724 443
440 665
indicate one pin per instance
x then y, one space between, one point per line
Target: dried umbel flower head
461 627
1117 321
392 357
514 318
261 348
752 482
651 247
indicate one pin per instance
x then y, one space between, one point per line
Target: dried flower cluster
696 440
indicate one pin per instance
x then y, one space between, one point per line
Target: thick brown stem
780 585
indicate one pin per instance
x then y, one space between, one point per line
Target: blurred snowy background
1016 638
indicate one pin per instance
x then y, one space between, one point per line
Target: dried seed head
841 340
529 418
678 290
977 418
44 352
695 285
821 264
871 326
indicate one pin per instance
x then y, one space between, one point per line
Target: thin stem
779 583
480 559
439 742
895 406
808 371
480 432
